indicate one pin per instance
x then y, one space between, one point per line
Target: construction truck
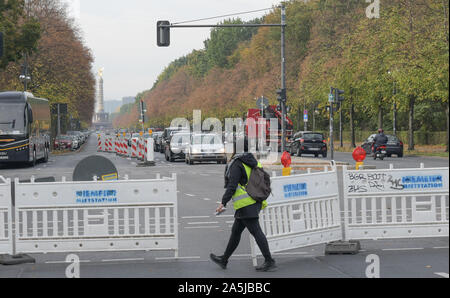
258 119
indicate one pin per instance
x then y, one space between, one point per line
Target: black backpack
259 185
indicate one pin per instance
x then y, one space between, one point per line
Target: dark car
157 136
393 147
167 134
309 143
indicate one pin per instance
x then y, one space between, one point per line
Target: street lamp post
395 109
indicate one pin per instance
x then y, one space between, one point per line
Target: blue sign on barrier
422 182
96 196
295 190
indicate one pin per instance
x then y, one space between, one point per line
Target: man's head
380 131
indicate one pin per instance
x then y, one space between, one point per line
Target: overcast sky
122 35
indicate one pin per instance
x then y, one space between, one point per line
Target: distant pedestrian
237 176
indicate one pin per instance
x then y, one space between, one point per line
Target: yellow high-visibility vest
241 198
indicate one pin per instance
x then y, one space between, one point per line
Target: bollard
148 154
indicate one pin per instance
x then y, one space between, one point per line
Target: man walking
237 176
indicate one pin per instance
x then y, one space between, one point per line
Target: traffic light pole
163 33
341 137
283 77
59 121
332 126
142 104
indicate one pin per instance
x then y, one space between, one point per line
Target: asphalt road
200 188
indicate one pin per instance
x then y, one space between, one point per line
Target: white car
206 147
177 147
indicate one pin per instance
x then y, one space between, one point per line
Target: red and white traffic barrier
134 148
146 153
100 143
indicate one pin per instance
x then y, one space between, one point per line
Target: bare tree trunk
380 116
412 100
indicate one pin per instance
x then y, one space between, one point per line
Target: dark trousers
255 229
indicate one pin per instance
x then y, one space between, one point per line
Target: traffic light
1 44
339 94
143 111
281 95
163 33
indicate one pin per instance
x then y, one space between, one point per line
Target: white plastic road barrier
303 211
396 203
146 152
6 237
149 152
97 216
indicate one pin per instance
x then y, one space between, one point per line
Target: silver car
206 147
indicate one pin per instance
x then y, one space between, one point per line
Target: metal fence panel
303 211
396 203
6 237
97 216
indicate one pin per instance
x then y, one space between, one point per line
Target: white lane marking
179 258
194 217
206 199
189 195
276 254
442 274
205 227
400 249
441 247
64 262
203 223
290 253
123 260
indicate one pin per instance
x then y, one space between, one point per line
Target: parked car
394 146
177 146
206 147
167 134
309 143
63 142
81 138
